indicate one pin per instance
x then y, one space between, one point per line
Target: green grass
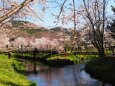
87 56
9 73
60 57
30 54
74 58
79 58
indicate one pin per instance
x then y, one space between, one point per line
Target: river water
71 75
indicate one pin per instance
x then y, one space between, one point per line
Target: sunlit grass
8 74
87 56
75 58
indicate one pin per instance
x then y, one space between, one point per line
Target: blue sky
49 19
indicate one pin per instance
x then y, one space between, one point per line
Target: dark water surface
72 75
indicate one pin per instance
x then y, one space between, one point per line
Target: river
71 75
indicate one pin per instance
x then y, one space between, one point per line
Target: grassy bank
55 59
103 69
11 73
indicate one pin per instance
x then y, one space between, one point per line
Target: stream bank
102 69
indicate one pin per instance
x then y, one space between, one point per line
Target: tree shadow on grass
9 83
18 69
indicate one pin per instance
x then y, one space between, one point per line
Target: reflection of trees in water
81 78
59 76
30 67
67 76
78 76
35 68
53 75
48 77
74 74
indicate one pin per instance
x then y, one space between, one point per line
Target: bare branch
61 10
14 10
34 13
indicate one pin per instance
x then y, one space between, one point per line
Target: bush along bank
11 73
102 69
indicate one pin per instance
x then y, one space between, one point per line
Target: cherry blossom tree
11 8
45 43
4 42
94 11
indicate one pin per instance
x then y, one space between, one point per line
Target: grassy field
11 73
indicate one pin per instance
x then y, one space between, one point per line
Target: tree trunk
99 46
101 52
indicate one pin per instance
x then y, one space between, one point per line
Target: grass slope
9 75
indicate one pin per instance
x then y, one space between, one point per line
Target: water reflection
72 75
